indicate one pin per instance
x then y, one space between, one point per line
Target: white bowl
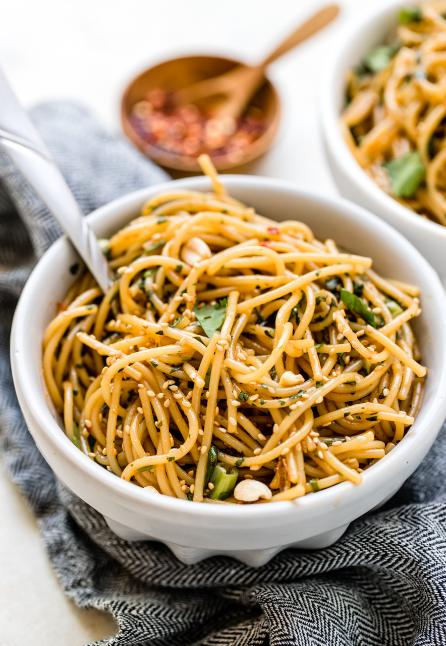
352 182
254 533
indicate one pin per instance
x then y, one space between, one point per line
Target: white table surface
86 51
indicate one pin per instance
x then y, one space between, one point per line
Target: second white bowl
359 38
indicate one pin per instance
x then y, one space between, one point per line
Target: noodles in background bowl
395 118
234 358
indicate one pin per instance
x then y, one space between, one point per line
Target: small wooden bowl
182 72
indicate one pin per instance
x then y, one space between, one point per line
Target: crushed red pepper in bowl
187 130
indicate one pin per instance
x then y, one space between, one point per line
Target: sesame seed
257 451
150 393
167 403
192 488
211 486
160 395
261 437
235 403
140 410
88 423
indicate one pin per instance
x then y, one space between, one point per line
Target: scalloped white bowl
351 180
254 533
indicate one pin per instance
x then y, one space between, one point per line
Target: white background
86 50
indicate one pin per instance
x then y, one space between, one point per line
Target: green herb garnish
410 14
378 59
243 397
212 461
224 482
239 462
211 317
394 308
406 173
314 484
357 306
76 437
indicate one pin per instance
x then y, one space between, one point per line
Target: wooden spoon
234 89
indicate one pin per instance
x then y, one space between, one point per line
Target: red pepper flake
188 131
273 230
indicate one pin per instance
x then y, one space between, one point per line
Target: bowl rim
329 118
184 163
403 453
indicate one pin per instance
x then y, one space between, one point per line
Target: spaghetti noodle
233 348
395 118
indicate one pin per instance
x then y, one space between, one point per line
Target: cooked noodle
230 337
395 118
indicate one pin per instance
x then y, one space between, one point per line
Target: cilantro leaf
211 317
405 174
378 59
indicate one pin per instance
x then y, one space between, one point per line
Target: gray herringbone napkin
383 583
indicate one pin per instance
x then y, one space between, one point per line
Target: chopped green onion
378 59
356 305
405 174
224 482
314 484
394 308
410 14
76 437
212 461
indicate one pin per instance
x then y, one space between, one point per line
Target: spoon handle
24 146
315 23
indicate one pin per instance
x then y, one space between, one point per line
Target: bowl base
253 558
